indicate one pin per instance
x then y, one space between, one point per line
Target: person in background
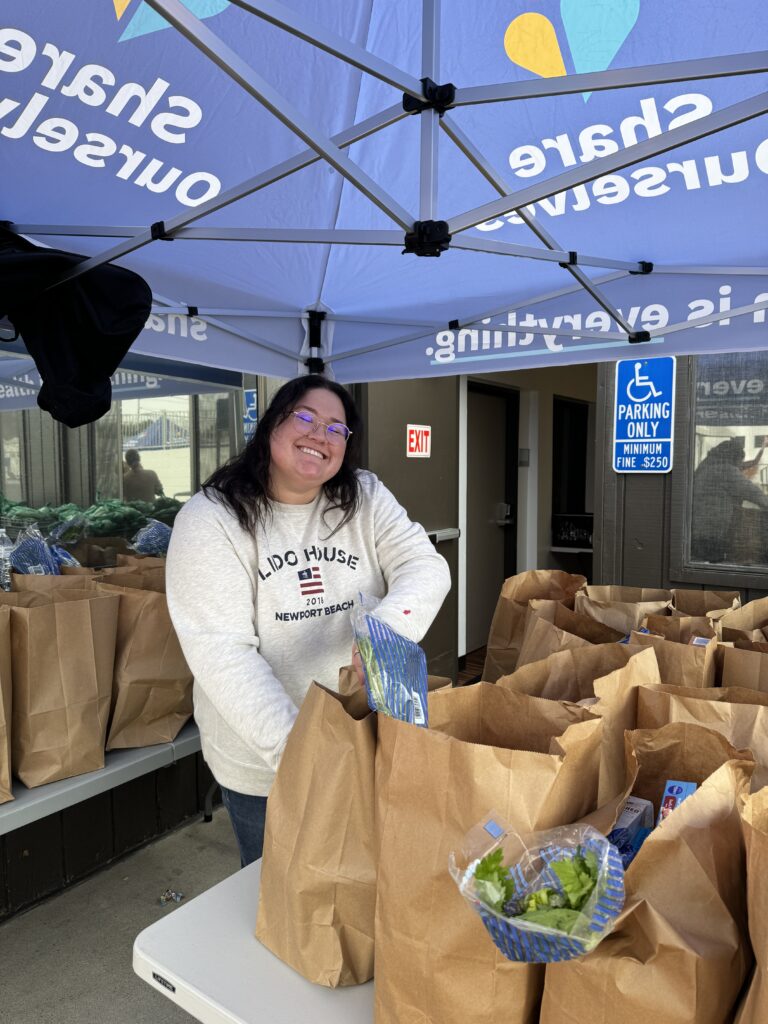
264 568
721 484
139 484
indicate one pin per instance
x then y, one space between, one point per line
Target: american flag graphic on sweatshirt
310 581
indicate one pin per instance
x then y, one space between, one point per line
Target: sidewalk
68 960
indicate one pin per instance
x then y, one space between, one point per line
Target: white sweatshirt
260 616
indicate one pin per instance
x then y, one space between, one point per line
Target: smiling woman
261 596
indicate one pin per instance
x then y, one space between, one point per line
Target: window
728 492
12 451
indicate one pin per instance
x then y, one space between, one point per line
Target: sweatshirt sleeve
212 601
417 577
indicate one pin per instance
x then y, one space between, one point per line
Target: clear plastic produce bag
549 897
152 539
30 554
395 668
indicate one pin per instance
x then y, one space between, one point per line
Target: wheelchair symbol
641 381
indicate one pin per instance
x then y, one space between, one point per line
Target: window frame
681 568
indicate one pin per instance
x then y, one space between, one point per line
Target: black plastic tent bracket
158 232
314 363
436 97
644 268
572 261
636 337
427 238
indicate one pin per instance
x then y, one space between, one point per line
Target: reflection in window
214 420
107 459
11 449
729 520
156 447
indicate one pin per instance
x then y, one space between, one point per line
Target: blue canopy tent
591 174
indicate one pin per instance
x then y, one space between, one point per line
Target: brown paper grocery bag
746 623
536 763
141 561
741 716
62 656
679 953
318 875
626 595
350 683
617 706
679 628
542 638
508 625
706 603
621 615
6 705
22 582
737 667
570 674
152 684
754 820
571 622
681 664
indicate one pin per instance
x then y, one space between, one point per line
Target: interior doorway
492 462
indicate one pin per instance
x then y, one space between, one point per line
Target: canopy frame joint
644 267
637 337
427 238
436 97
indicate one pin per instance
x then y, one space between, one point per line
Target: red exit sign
419 441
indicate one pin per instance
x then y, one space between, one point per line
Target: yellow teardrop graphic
531 42
120 7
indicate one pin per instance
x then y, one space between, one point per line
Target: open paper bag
680 951
62 654
535 762
508 625
318 875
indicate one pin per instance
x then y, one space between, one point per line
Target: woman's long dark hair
242 483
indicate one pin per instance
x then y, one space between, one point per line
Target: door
492 429
427 487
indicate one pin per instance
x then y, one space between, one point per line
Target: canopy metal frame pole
469 321
712 318
336 236
430 119
490 245
319 36
241 72
620 78
142 236
229 329
467 147
729 116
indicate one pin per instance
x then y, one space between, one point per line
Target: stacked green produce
112 518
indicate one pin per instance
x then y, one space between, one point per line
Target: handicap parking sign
250 412
644 410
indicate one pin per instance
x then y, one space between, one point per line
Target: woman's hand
357 664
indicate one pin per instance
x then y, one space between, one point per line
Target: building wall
640 519
578 382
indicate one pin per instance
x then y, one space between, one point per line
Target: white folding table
204 957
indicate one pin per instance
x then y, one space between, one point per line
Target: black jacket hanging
78 332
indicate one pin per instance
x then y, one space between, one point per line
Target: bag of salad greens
543 898
395 668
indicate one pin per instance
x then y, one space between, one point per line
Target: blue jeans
248 815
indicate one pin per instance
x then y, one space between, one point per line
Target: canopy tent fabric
20 383
253 161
